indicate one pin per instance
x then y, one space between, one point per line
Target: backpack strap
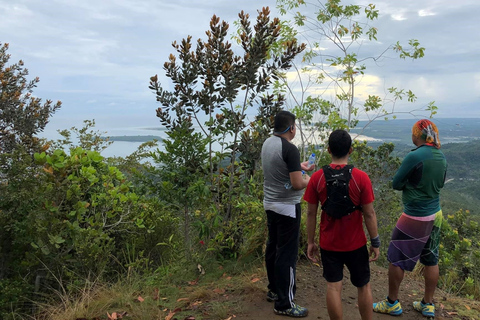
328 171
350 170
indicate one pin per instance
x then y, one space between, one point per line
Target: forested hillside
463 177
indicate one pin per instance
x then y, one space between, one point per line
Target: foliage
380 166
460 255
13 291
86 138
68 217
207 112
252 139
461 193
213 79
180 175
88 204
333 66
460 157
245 234
22 115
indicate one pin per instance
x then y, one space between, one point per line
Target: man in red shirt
342 240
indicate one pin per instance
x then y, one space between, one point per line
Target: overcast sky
97 56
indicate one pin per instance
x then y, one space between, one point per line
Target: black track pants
281 256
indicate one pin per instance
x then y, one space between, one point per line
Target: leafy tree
19 195
332 66
22 115
214 88
252 139
181 175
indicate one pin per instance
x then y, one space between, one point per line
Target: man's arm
372 228
299 182
312 250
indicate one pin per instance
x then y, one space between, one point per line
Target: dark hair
283 121
339 143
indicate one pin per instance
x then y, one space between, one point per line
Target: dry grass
215 295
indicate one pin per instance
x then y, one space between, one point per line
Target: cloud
97 56
425 13
398 16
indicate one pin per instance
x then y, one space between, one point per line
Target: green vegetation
460 255
82 235
463 178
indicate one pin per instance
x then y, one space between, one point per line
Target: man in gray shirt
283 190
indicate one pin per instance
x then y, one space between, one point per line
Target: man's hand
375 252
312 252
306 167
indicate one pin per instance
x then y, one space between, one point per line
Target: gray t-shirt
279 158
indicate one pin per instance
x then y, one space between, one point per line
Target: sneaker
427 309
394 309
271 296
296 311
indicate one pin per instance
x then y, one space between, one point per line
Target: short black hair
283 121
339 143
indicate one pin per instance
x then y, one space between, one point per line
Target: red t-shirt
345 234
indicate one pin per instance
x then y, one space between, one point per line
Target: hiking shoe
271 296
296 311
394 309
427 309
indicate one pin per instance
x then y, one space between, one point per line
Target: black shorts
356 262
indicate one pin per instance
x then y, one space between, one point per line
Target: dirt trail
311 290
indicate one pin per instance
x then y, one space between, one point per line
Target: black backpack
338 203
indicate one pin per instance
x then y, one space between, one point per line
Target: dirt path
311 290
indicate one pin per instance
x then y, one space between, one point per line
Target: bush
460 255
72 217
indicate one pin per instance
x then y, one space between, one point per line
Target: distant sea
398 131
451 130
112 126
